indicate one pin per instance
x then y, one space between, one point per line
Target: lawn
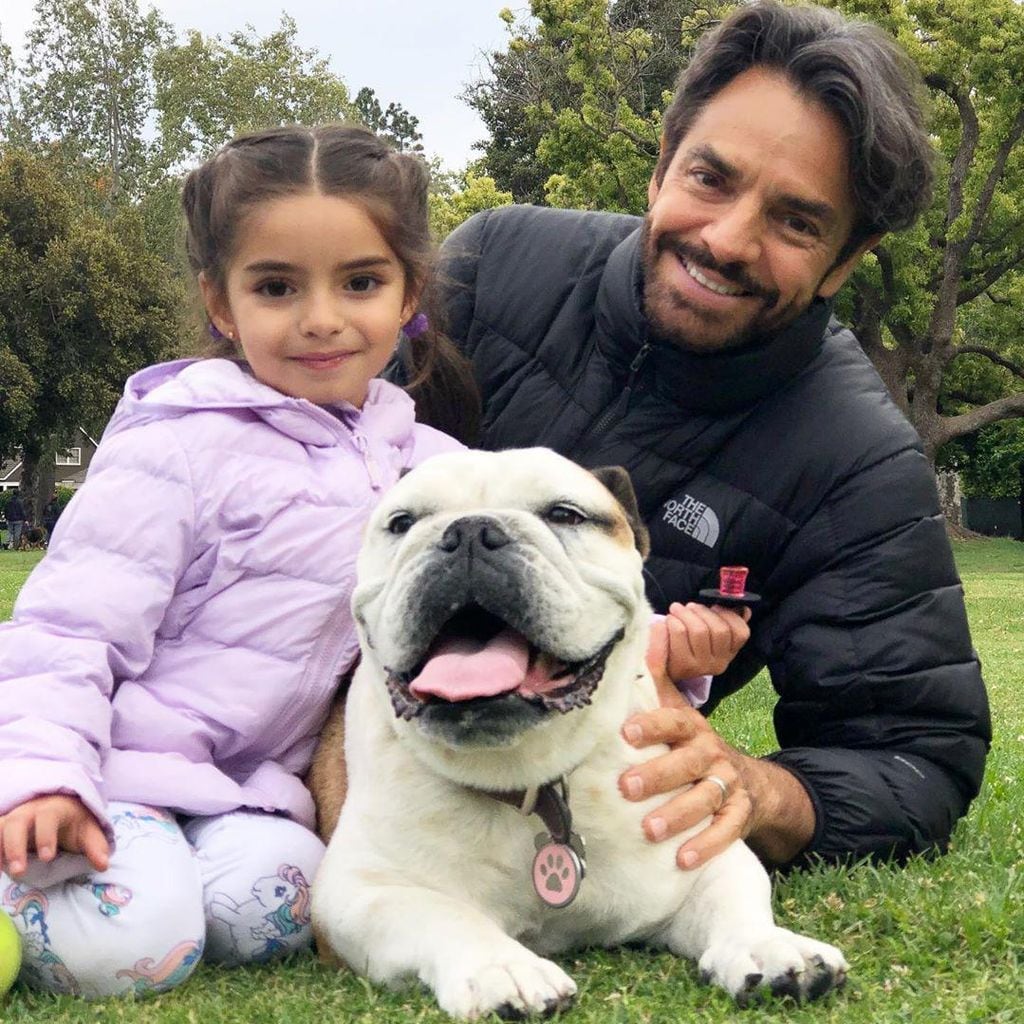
939 941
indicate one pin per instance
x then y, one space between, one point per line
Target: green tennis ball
10 953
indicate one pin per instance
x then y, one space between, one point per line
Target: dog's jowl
503 624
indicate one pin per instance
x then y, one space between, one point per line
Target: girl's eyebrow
281 267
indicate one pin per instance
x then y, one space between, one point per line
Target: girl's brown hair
347 161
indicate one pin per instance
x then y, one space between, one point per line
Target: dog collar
559 864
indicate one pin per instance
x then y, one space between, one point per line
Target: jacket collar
713 382
170 390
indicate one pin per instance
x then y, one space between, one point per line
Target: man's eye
565 515
274 289
799 226
400 522
705 179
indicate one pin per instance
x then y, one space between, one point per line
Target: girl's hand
46 824
702 641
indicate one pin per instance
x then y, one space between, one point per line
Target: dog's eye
565 515
400 522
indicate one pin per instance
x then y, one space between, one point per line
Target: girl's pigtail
441 382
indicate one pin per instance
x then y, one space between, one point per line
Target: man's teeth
718 289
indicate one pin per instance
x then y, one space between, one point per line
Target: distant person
51 513
16 520
696 347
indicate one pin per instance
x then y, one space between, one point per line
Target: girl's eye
274 289
363 284
565 515
399 523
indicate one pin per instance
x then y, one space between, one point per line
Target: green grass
940 942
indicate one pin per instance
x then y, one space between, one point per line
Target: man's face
746 226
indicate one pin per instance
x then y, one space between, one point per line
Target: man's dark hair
855 71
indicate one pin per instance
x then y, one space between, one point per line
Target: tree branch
1000 360
981 207
989 277
949 427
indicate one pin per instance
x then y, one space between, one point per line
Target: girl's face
314 296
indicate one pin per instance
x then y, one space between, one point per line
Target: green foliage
455 198
208 90
86 86
82 305
395 124
574 104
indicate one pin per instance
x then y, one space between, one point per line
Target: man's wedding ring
721 784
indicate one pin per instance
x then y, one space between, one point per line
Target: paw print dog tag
558 871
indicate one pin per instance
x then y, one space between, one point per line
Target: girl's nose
321 316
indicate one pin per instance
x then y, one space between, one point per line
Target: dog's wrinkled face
495 590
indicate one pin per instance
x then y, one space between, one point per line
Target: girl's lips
328 361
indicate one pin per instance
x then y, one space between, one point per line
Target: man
16 519
696 348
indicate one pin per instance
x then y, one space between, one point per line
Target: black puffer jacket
789 458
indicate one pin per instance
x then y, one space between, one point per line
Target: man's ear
838 275
217 308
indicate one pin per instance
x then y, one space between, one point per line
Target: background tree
82 305
455 197
86 88
949 291
395 123
209 90
574 104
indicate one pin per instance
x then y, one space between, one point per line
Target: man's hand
761 802
48 824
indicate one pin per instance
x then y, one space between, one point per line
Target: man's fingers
661 774
728 825
683 811
663 725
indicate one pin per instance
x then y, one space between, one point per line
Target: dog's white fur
427 877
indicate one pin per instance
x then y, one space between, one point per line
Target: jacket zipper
621 406
372 469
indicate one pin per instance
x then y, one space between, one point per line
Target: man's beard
667 311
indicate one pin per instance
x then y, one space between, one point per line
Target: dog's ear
616 479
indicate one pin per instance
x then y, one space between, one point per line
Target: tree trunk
950 499
29 485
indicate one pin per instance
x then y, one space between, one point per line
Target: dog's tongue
463 669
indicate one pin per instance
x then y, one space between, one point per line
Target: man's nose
734 234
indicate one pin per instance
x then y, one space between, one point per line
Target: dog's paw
517 987
779 962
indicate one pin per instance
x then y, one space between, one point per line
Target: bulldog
501 612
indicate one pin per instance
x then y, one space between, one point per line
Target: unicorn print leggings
233 888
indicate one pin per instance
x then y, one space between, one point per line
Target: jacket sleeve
88 616
882 714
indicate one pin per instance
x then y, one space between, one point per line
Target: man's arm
882 719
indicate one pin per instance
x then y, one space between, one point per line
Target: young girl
172 659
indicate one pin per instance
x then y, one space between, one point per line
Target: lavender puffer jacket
180 643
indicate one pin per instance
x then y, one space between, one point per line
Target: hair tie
214 331
418 325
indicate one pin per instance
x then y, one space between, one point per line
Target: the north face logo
694 518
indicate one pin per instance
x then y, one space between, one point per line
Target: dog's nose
474 530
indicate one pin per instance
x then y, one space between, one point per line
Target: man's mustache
732 272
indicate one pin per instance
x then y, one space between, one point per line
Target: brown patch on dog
327 777
325 954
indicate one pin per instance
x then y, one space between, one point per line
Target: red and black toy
731 592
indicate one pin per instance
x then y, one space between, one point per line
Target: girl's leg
137 927
256 872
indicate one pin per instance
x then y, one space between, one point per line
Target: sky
419 53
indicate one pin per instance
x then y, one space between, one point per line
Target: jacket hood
171 390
